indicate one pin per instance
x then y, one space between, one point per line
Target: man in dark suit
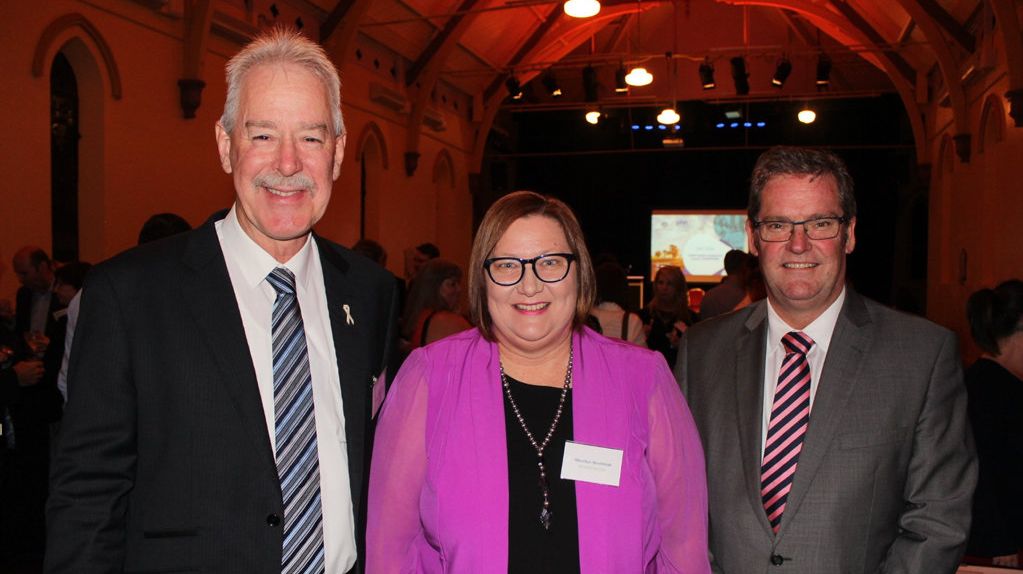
220 380
834 428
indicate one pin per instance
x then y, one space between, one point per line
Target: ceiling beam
334 19
523 51
441 42
856 19
797 28
949 24
1008 21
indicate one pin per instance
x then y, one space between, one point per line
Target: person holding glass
532 444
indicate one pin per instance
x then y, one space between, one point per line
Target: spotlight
781 72
823 72
590 85
707 76
638 76
551 83
582 8
621 86
740 76
593 117
514 88
806 115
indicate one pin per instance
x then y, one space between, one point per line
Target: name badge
589 463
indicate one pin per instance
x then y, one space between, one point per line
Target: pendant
545 519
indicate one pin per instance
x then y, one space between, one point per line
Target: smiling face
283 156
532 316
803 276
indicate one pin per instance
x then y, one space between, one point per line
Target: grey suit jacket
887 471
164 463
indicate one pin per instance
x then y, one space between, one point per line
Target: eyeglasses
817 228
549 268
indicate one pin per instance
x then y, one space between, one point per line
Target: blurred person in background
995 387
612 311
431 309
666 317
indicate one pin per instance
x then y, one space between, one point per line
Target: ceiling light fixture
669 115
551 84
582 8
707 75
823 72
593 117
806 115
781 72
621 86
639 76
740 76
514 88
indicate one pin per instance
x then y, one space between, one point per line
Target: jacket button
273 520
777 560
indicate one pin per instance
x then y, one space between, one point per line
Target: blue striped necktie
297 459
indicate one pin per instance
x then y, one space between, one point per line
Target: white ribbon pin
348 314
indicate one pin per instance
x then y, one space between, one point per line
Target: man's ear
339 154
751 239
850 236
224 147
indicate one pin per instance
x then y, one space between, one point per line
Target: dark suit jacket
887 469
164 463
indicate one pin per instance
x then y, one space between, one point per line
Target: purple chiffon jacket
438 495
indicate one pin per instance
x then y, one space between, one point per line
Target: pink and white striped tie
790 416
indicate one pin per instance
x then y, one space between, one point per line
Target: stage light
740 76
639 76
621 86
823 72
781 72
806 115
582 8
551 83
707 76
514 88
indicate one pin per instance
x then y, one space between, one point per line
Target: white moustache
297 181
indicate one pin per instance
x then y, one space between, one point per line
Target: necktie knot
797 342
282 280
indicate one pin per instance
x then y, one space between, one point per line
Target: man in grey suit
834 428
219 413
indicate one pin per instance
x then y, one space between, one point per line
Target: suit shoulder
903 323
147 258
726 325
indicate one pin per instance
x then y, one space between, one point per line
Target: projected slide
696 241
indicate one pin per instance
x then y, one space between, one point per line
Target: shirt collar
820 329
254 262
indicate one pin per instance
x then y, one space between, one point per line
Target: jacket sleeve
94 467
676 460
935 522
394 531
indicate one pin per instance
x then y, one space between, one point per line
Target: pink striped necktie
790 415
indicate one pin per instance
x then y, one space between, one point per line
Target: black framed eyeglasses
549 268
816 228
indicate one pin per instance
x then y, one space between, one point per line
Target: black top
995 404
531 549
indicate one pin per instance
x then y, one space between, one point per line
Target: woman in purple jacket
532 444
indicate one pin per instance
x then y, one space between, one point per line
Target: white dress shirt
820 330
248 265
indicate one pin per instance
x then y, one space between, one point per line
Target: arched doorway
64 136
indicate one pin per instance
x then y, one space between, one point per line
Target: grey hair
788 160
282 46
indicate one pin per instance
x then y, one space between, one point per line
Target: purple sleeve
394 531
676 460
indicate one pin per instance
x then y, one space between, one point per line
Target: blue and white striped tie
297 460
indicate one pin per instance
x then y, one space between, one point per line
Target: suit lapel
839 380
750 349
210 300
351 348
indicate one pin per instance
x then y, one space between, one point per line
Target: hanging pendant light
806 115
582 8
668 116
593 117
639 76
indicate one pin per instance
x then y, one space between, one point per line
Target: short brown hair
499 217
789 160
